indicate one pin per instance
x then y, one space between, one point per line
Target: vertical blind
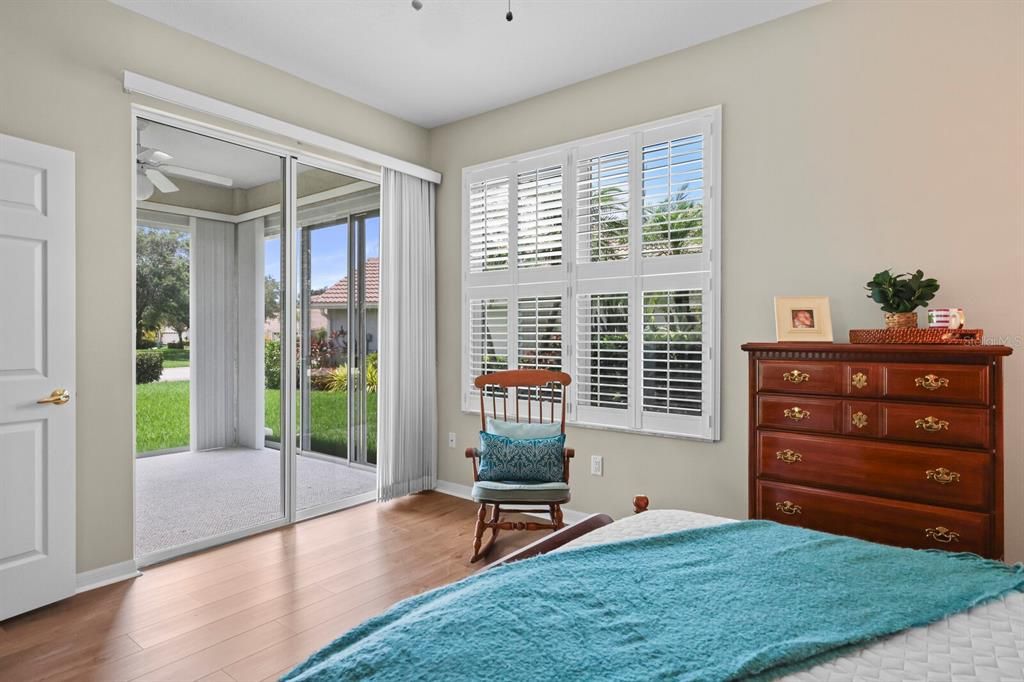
626 301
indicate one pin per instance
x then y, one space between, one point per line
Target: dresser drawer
937 383
906 524
822 415
785 376
960 478
936 424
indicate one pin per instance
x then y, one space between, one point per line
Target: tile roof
337 293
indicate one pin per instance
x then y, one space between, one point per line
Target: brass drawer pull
795 413
942 475
930 382
942 534
788 507
789 456
859 419
931 424
859 380
796 376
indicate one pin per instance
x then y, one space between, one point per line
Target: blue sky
329 252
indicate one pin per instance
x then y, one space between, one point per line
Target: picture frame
803 318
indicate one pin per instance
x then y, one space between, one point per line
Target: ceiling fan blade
160 181
198 175
147 155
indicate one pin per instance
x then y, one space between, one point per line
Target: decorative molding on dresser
899 444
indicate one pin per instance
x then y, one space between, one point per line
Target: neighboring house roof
337 293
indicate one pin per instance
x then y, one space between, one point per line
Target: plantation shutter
602 202
488 338
673 357
539 199
488 225
602 357
539 332
673 197
600 258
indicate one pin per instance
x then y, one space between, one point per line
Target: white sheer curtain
407 383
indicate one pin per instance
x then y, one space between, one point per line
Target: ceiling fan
152 169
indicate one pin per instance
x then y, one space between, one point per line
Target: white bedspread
985 643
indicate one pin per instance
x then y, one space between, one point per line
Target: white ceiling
247 167
456 58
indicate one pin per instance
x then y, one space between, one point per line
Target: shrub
174 345
272 363
149 365
320 379
145 344
371 373
338 379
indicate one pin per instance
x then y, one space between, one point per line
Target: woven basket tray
958 337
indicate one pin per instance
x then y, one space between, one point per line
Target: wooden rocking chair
533 394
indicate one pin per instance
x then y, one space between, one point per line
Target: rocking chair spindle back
536 396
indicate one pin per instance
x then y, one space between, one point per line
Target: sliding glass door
258 292
336 294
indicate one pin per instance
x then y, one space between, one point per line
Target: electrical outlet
451 439
597 465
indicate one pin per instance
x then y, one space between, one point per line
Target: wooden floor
252 609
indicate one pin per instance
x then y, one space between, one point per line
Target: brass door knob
60 396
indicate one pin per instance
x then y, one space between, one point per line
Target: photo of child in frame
803 318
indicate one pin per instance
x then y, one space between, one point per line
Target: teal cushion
520 459
522 493
523 429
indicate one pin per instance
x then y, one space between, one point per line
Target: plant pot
901 320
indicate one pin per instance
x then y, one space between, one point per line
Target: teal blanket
746 599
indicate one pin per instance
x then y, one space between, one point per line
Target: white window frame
633 275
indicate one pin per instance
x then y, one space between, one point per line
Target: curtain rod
143 85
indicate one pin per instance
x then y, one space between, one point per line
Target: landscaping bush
338 379
321 379
272 363
149 365
145 344
371 373
176 346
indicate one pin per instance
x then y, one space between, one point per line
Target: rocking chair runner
520 395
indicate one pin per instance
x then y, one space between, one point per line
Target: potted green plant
901 295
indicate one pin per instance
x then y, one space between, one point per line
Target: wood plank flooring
253 609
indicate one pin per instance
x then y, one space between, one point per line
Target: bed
983 639
983 643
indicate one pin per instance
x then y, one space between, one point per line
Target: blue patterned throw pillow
520 459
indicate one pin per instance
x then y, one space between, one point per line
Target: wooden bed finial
640 504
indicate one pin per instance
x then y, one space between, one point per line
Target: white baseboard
105 575
570 516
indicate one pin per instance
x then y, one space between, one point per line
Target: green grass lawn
175 357
330 421
162 418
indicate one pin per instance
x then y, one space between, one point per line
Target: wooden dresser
896 444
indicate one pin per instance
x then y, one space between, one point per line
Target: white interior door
37 362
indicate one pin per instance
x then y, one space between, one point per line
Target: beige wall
60 84
857 136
